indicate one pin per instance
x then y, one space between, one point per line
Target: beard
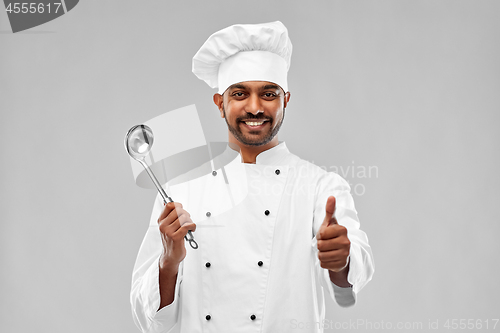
255 141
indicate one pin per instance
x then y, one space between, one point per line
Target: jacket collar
273 156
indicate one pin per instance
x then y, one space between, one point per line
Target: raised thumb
330 210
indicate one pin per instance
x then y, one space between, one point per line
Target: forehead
254 85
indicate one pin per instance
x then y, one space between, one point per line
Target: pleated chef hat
245 52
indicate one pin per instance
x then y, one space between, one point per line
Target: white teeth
253 123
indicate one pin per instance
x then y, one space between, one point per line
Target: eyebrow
266 87
237 86
270 86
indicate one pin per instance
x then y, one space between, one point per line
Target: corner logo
26 15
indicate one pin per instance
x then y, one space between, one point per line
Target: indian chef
276 233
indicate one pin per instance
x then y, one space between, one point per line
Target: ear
287 98
219 101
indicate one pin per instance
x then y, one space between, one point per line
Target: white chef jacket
256 268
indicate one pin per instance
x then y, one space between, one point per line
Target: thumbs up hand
333 243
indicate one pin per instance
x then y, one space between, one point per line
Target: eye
237 94
270 95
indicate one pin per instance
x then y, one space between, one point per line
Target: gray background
409 87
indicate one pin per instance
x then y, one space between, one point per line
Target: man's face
254 111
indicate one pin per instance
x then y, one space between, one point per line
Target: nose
254 105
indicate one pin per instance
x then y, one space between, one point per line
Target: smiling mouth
254 123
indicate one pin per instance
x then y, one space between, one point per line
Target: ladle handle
167 199
191 240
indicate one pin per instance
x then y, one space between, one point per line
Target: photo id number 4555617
470 324
33 7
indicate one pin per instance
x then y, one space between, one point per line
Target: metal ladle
138 143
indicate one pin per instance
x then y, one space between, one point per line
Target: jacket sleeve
361 264
145 291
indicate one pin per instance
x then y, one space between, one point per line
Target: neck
249 153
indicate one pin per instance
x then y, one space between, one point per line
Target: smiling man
255 112
275 232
